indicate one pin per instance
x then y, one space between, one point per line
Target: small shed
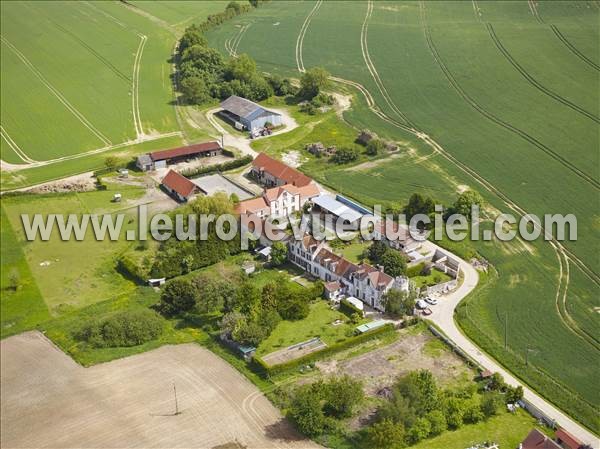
247 351
144 162
156 282
265 253
355 302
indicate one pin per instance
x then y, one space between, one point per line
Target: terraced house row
342 277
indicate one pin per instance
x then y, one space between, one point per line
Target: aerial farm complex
282 224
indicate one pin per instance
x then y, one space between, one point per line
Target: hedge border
269 370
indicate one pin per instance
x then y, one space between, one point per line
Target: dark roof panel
190 150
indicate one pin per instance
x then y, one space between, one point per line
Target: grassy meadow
513 105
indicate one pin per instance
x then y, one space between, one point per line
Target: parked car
421 304
427 311
431 301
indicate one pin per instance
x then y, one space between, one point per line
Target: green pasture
71 274
21 306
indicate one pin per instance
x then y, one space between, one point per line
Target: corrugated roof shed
243 108
189 150
330 204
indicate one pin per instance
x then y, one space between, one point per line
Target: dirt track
50 401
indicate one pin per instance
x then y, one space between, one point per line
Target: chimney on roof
380 267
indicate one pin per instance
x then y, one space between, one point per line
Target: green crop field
82 80
510 95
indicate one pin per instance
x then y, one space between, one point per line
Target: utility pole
506 331
176 402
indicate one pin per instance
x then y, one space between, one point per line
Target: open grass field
62 275
507 93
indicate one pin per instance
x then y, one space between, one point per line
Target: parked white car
431 301
421 304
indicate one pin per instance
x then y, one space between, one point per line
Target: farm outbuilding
160 159
179 186
251 115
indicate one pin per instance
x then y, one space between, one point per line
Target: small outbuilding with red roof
181 188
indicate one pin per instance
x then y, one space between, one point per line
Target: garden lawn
507 429
318 323
435 277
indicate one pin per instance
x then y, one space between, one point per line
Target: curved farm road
48 400
443 317
243 143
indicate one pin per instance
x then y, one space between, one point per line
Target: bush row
229 165
268 370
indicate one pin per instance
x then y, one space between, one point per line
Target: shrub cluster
128 328
204 75
419 409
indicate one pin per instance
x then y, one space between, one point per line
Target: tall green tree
313 81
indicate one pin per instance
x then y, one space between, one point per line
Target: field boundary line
13 146
470 101
300 38
573 49
56 92
135 82
150 138
532 80
371 67
110 16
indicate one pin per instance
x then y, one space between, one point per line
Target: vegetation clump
127 328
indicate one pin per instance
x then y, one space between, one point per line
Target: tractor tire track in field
591 274
13 146
565 317
519 132
135 83
533 81
300 39
104 13
534 10
56 92
94 53
478 178
574 49
561 301
232 44
372 70
476 10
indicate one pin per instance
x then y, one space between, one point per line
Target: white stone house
362 281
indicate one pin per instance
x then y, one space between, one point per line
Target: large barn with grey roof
251 115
